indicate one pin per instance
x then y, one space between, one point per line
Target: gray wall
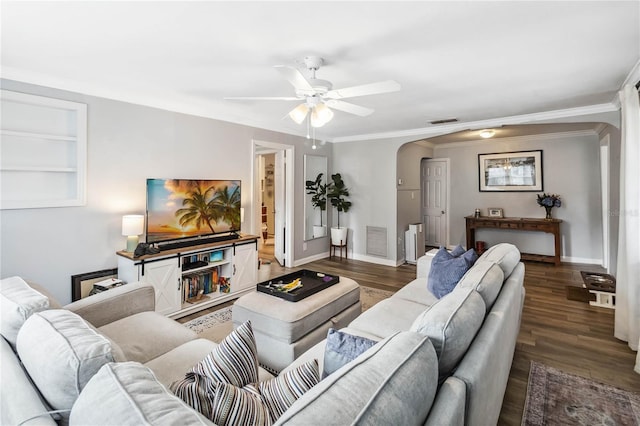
570 169
370 171
127 144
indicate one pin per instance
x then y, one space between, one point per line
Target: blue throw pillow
447 269
341 349
457 251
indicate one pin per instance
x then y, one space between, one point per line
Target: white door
434 202
279 208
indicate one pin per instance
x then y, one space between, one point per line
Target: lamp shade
321 115
299 113
132 224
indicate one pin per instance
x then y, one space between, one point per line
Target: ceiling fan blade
295 77
262 98
350 108
364 90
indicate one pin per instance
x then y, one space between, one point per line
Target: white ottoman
284 330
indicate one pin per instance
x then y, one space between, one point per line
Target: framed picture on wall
82 284
510 171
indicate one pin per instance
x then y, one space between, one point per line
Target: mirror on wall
315 200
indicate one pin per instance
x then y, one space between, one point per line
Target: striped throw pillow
224 386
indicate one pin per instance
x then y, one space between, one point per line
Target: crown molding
206 111
427 132
195 109
523 138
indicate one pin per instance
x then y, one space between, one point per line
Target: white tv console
170 271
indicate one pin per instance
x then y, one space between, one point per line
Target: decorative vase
548 209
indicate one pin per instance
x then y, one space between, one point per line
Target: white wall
127 144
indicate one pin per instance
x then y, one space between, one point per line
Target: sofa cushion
393 383
342 348
128 394
223 385
447 269
504 255
170 367
387 317
61 352
18 301
20 400
486 278
146 335
417 292
451 324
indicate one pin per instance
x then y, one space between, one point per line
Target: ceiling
475 61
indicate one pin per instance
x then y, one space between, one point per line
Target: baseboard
568 259
377 260
313 258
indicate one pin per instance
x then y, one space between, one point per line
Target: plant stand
332 249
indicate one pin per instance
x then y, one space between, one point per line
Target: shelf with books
206 276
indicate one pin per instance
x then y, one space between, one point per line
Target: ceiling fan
319 97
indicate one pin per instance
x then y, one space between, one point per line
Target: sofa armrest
424 265
448 408
109 306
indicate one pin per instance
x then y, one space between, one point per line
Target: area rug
558 398
217 325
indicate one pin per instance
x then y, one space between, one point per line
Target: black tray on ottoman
312 282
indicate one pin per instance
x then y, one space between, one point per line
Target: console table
550 226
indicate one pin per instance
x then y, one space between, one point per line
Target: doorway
273 201
435 201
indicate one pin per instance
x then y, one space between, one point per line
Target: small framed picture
495 212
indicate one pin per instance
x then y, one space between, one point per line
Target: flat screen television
188 208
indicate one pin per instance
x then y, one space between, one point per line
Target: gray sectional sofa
437 362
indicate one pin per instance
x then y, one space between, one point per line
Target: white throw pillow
61 352
18 301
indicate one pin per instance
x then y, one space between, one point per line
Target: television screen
183 208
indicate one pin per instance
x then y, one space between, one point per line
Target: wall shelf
44 152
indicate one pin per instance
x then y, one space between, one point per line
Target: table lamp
132 226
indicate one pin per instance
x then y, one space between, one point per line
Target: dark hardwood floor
569 335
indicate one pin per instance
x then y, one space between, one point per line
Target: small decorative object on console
495 212
549 201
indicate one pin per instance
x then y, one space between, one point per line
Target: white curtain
627 315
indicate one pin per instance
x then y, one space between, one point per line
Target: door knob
442 212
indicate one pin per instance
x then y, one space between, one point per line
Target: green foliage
338 193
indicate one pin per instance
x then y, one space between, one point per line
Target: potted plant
318 192
337 192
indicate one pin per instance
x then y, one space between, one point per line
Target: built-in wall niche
44 152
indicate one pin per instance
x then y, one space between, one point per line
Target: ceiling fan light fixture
299 113
321 115
487 133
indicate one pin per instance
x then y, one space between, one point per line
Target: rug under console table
284 330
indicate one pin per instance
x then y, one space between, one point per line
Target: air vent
377 241
445 120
